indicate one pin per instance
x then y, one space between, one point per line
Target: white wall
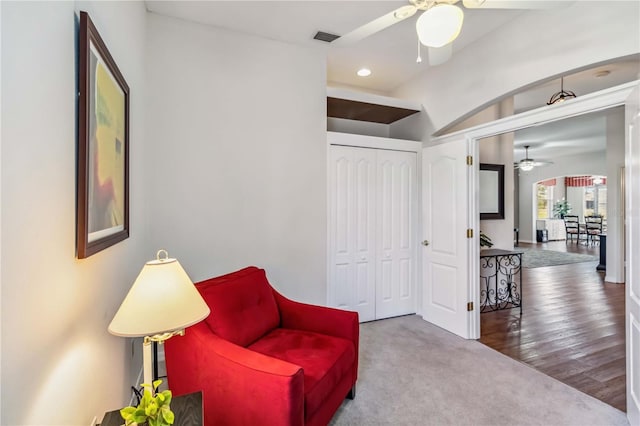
238 158
60 366
343 125
575 198
526 50
615 195
499 150
0 217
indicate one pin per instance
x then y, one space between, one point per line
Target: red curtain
582 181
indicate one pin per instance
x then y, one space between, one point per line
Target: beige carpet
413 373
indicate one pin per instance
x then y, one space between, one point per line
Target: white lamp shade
162 299
439 25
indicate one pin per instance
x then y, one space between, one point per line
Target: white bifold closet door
372 231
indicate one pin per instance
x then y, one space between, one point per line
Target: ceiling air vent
326 37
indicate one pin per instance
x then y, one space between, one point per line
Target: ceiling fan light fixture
526 165
439 25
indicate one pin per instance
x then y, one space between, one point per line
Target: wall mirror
491 191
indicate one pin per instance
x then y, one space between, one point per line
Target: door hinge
469 160
469 233
470 306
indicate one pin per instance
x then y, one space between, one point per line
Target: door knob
425 243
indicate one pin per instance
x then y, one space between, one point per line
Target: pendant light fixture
562 95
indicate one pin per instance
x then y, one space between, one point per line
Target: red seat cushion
324 359
242 304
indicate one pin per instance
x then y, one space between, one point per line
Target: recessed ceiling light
603 73
364 72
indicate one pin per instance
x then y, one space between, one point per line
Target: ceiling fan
439 24
527 164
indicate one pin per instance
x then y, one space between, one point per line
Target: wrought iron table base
498 286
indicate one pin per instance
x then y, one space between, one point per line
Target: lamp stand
156 375
146 362
151 372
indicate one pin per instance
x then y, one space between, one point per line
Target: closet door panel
341 245
364 232
342 199
351 226
396 178
341 279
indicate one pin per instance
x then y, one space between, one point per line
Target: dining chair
593 226
572 227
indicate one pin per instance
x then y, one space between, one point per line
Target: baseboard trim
527 241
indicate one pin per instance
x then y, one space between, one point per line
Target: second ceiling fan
439 24
527 164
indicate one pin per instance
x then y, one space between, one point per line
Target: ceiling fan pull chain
419 58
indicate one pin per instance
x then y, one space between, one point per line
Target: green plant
485 241
153 409
561 208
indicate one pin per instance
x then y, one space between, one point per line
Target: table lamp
161 303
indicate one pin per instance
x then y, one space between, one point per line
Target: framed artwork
102 211
491 191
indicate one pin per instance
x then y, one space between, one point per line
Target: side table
499 288
186 408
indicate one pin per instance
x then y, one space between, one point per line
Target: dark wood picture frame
491 185
102 203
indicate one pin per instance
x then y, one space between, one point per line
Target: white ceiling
578 135
391 53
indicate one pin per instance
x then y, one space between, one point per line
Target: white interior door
632 314
352 227
395 240
446 263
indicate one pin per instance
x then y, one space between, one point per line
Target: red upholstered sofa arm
319 319
239 386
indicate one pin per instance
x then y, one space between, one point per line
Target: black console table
186 408
602 266
500 280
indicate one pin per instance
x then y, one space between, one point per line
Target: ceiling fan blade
513 4
440 55
534 163
379 24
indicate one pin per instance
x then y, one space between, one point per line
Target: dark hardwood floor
571 328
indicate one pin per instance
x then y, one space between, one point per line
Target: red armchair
262 359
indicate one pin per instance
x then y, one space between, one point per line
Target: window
588 194
601 197
544 200
595 201
589 201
